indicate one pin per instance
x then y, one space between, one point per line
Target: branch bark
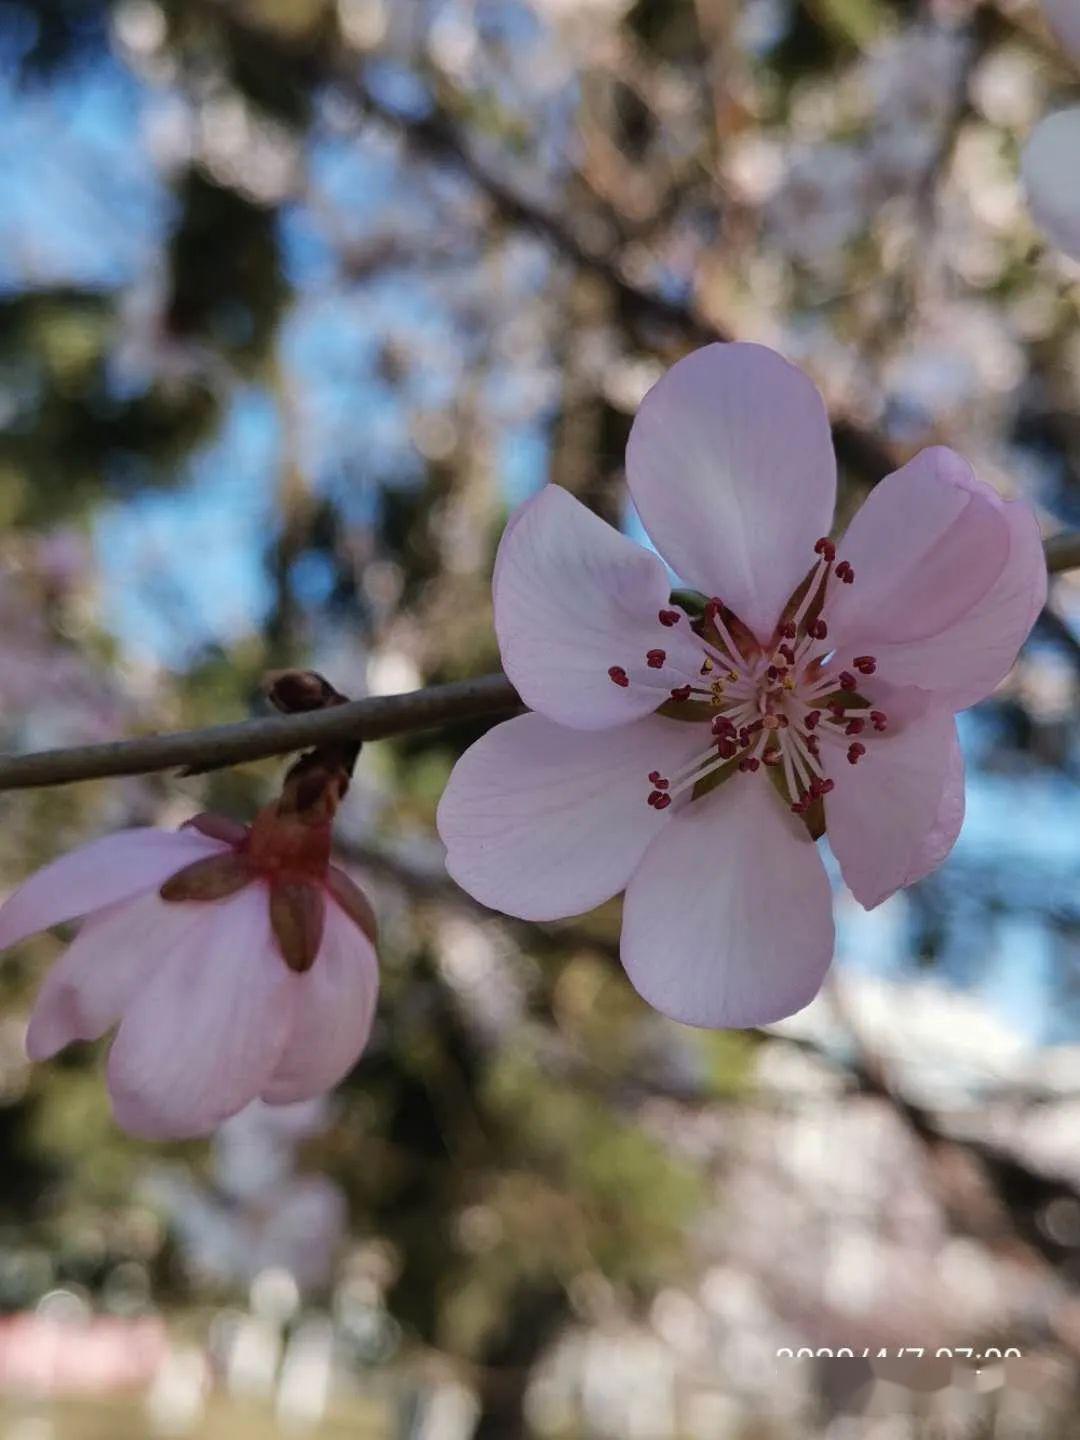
359 720
220 745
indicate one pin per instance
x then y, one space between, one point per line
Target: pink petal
728 919
334 1008
541 822
1064 18
113 868
731 466
966 661
885 812
926 546
947 824
573 598
88 988
1050 167
205 1033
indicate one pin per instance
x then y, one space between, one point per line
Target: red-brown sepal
218 827
297 918
353 901
212 878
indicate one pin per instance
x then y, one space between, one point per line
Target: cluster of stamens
777 706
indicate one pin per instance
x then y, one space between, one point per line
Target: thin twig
374 719
219 745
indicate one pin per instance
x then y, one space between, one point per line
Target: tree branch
221 745
358 720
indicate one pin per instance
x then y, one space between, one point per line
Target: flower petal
885 811
926 547
334 1008
205 1033
541 821
966 661
88 988
1050 167
110 869
946 828
731 466
573 598
728 919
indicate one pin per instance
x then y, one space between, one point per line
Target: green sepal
691 602
696 710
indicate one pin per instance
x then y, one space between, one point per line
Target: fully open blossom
1051 159
692 761
236 960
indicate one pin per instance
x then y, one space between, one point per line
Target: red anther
749 765
668 617
655 778
787 652
854 727
844 572
772 757
865 664
855 751
663 802
812 719
681 693
788 630
713 608
744 736
726 749
825 787
754 727
722 726
800 807
817 629
847 680
826 549
813 744
655 659
879 719
772 673
783 721
619 675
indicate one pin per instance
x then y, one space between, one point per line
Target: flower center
778 707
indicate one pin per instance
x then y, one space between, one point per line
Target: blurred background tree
300 298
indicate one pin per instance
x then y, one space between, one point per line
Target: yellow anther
707 665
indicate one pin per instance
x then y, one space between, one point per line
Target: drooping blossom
237 961
691 759
1051 160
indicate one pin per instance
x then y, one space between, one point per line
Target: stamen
879 720
669 617
818 629
812 719
749 764
826 549
655 778
865 664
847 680
619 676
679 693
844 572
854 727
655 659
855 752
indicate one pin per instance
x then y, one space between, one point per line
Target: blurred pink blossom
691 761
1051 160
237 961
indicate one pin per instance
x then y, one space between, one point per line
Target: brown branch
220 745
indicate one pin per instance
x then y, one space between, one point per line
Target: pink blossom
691 761
1050 164
237 962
